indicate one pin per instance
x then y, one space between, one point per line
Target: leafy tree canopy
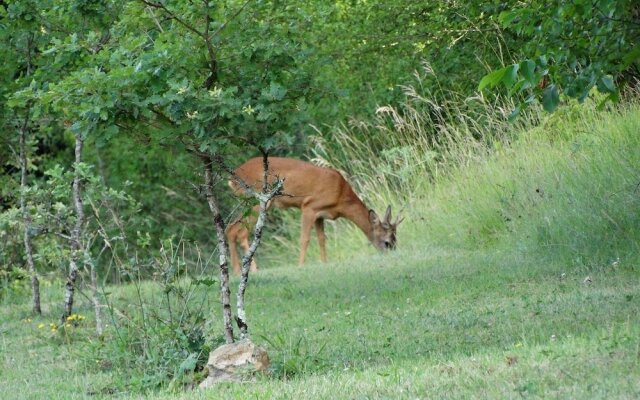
570 48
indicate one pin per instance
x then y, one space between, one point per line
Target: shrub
163 336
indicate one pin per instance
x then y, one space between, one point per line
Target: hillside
516 276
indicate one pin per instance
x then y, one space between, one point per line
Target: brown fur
321 193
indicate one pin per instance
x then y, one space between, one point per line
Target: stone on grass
235 362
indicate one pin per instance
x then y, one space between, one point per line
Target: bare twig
174 17
155 19
233 16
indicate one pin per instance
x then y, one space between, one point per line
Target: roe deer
320 193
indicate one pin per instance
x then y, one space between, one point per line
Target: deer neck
358 213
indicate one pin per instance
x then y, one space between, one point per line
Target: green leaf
511 75
111 130
208 282
550 98
542 60
492 79
276 91
514 114
506 17
613 96
631 57
606 85
189 364
528 70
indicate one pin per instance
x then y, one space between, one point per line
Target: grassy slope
473 305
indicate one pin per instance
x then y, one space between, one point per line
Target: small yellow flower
81 317
40 326
182 90
519 344
67 325
43 30
71 317
54 330
248 110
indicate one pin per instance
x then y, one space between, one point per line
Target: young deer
320 193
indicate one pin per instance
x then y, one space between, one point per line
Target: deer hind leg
239 232
322 239
244 242
233 232
308 218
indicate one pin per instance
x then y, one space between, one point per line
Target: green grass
419 324
486 297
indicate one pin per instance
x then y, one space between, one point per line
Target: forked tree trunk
76 248
26 219
223 248
264 199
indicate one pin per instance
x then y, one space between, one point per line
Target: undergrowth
161 329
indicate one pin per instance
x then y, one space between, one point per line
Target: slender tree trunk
26 218
76 247
264 198
223 248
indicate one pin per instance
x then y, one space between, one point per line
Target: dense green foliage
571 47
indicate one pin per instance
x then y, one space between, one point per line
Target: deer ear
373 218
387 215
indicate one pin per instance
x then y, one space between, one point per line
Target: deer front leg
322 239
308 218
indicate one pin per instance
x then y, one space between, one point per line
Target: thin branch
234 16
174 17
155 19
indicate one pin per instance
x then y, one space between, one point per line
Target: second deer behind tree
320 193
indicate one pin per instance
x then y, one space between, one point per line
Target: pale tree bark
76 247
26 218
223 248
264 197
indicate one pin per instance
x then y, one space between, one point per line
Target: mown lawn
420 323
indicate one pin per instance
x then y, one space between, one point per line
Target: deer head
384 231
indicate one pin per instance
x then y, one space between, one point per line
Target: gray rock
235 362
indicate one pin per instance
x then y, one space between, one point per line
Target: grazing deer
320 193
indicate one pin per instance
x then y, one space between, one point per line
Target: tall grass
563 186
